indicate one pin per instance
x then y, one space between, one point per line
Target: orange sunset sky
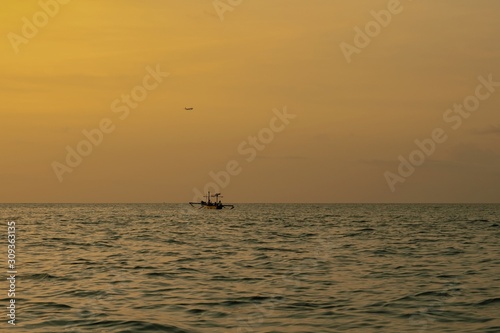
352 120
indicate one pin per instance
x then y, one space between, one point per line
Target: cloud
289 157
492 129
387 163
460 155
470 154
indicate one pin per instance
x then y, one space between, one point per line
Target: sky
291 102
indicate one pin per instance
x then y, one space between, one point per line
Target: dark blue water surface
257 268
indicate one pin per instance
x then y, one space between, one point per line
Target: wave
489 301
125 326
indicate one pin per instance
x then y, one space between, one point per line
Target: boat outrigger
217 204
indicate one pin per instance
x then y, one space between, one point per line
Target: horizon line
259 203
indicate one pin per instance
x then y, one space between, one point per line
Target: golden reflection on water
274 267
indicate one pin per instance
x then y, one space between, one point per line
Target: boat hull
212 207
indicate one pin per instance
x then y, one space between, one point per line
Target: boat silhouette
217 204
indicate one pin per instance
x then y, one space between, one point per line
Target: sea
256 268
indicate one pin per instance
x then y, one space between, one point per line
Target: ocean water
257 268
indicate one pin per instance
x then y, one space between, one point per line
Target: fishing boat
217 204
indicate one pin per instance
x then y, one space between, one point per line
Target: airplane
188 109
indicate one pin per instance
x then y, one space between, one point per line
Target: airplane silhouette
188 109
